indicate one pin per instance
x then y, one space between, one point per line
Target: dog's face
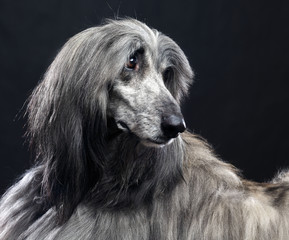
141 99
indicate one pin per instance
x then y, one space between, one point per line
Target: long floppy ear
67 123
178 71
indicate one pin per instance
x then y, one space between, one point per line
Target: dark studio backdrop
239 50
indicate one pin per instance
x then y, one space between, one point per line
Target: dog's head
121 70
145 93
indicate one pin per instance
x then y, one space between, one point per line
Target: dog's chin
159 143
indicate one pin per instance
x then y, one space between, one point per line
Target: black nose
172 125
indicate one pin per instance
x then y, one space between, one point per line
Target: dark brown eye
132 63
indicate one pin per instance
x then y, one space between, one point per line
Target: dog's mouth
160 142
123 126
151 142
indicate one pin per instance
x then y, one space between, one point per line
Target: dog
114 159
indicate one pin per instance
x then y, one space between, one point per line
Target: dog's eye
132 63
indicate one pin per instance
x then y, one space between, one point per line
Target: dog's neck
135 174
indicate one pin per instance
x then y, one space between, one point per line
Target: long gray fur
102 170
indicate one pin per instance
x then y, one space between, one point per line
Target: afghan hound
113 159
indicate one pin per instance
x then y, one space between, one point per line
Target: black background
239 51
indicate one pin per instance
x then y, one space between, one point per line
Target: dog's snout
172 125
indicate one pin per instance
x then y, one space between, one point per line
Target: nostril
173 125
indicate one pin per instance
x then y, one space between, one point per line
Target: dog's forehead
139 35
